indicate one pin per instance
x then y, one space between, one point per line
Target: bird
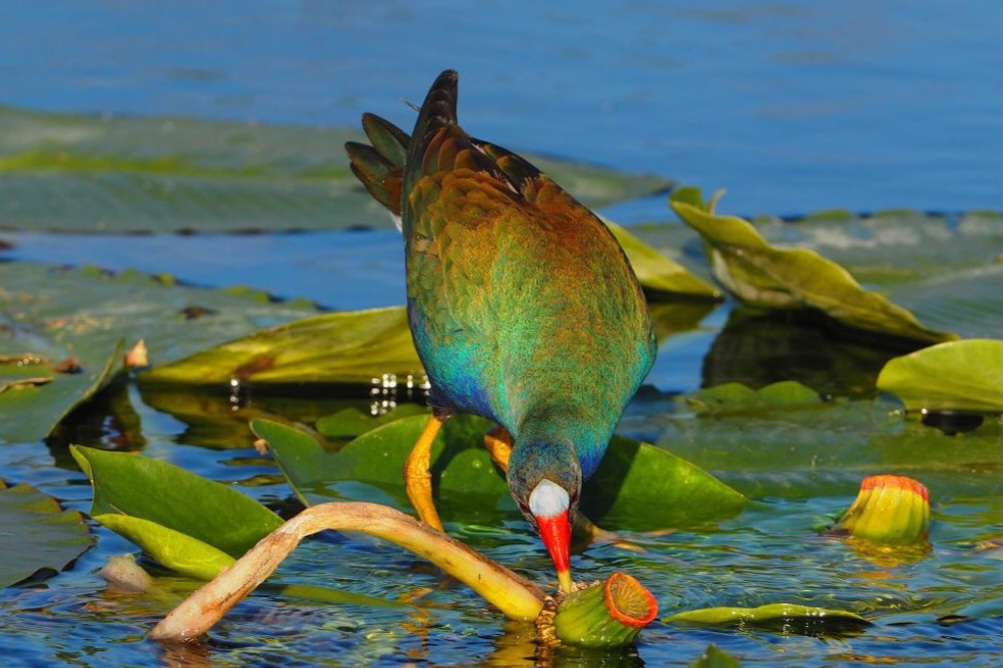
522 306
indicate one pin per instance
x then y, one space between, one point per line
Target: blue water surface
792 106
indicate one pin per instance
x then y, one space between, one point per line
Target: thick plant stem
514 596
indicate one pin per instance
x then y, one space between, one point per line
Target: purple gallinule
523 308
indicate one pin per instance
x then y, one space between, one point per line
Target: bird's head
545 480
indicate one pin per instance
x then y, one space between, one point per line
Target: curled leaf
762 275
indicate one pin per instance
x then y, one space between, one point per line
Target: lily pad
344 348
637 486
185 522
49 315
335 348
38 534
739 398
762 275
957 376
76 173
786 618
35 397
823 452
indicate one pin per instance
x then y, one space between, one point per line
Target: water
794 107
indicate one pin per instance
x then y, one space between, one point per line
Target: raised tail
438 110
380 167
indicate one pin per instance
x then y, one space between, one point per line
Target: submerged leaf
786 618
351 422
714 657
637 486
957 376
37 534
762 275
186 522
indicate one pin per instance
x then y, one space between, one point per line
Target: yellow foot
417 479
498 443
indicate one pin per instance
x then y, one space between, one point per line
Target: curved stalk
516 597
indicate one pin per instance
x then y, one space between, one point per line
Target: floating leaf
334 348
37 534
761 275
30 411
826 451
54 313
658 275
637 485
786 618
957 376
184 521
739 398
129 174
715 657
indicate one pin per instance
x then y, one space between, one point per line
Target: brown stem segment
516 597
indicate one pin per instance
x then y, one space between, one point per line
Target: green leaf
334 348
640 487
168 174
637 486
30 411
154 503
786 618
957 376
50 314
38 535
351 422
945 269
660 276
761 275
739 398
173 549
715 657
350 347
826 451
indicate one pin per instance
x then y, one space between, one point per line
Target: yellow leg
417 479
498 443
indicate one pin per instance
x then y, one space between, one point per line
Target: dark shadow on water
758 349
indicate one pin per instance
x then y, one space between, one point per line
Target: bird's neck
556 426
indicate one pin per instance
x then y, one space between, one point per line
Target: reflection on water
758 349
